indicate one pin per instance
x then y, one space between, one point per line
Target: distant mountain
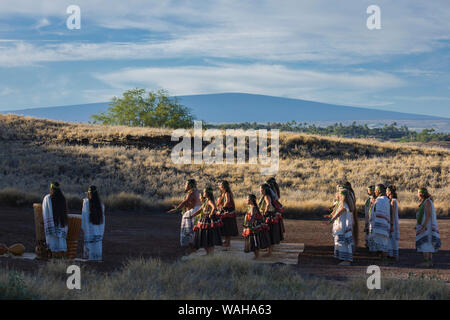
239 107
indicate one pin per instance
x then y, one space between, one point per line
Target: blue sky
314 50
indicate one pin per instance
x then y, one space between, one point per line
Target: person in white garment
342 219
189 205
54 213
380 223
394 232
93 225
352 206
428 240
367 211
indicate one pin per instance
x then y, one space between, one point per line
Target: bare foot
344 263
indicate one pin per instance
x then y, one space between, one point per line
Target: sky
319 50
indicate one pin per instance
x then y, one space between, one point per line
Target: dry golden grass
133 169
204 280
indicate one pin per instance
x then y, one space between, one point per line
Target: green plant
141 109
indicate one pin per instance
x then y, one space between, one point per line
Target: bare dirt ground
131 235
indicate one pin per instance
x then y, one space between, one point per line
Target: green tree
140 108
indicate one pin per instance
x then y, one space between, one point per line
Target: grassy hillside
133 169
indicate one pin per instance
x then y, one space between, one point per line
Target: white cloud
6 91
324 31
276 80
44 22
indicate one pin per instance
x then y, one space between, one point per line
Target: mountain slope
239 107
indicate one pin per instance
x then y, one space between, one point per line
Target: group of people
382 232
55 217
205 222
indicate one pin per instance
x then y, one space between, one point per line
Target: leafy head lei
424 192
381 188
92 189
54 185
209 192
371 188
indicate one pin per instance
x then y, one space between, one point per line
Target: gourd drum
3 249
17 249
41 249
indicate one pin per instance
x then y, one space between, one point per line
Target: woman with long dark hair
272 182
353 210
428 239
93 224
342 219
271 216
394 234
207 228
367 211
256 231
379 223
54 212
227 209
275 195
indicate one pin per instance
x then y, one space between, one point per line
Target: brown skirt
257 241
229 228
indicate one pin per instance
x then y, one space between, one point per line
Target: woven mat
286 253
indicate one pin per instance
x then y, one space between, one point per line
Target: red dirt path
130 235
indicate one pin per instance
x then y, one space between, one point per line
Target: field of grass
133 169
204 280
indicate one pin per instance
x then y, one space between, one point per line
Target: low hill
241 107
132 166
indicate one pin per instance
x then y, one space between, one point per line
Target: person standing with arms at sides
54 212
352 195
93 225
380 222
256 231
394 234
207 229
275 194
368 210
271 216
226 205
352 206
428 239
189 205
342 219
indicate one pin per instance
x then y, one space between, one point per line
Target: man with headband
428 239
379 222
189 205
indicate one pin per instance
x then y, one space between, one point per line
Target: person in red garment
225 205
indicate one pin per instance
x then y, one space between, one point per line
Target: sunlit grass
207 278
143 177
